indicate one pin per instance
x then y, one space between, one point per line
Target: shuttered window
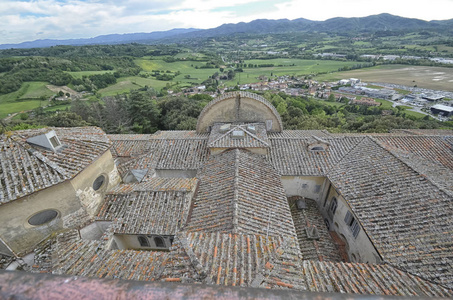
352 224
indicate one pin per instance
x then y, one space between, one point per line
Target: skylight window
224 128
238 134
251 128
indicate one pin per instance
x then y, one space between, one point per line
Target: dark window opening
333 206
317 148
43 217
159 242
143 241
97 184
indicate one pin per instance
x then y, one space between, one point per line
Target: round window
43 217
97 184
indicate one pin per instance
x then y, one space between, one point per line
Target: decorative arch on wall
239 107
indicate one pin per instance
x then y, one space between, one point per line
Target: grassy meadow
26 98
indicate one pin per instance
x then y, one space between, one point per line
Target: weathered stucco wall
239 109
83 183
72 200
359 248
306 186
20 236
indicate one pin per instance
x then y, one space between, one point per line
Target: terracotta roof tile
26 168
406 216
240 192
257 139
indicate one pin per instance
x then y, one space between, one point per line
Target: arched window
333 206
143 241
159 242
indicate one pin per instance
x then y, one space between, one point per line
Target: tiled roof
322 248
431 156
256 139
158 184
235 260
181 154
240 192
25 168
242 260
290 134
406 216
179 135
291 156
175 154
130 147
435 148
424 131
146 212
129 137
361 278
91 258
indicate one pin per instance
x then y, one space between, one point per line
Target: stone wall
239 107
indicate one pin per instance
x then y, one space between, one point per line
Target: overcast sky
22 20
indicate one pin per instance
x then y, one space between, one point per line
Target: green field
186 68
26 98
125 84
384 103
436 78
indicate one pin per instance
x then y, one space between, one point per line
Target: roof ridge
345 155
236 192
254 136
223 135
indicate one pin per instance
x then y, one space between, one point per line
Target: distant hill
365 24
262 26
109 39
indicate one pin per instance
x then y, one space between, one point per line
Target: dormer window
49 141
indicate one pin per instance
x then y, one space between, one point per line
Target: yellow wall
72 199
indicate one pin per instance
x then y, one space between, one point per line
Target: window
333 206
54 141
43 217
143 241
327 223
97 184
352 223
159 242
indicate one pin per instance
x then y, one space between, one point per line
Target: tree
143 113
66 119
331 98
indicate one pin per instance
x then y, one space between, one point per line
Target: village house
240 201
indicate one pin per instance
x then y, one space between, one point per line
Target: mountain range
262 26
